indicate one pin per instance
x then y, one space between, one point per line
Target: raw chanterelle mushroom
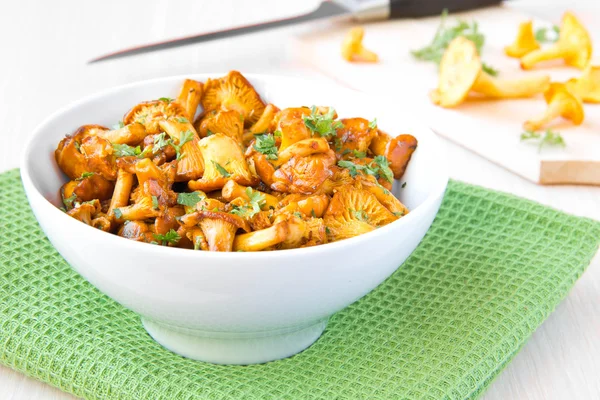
587 86
353 49
561 103
574 46
461 74
524 43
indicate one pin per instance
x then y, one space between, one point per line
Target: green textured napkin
490 270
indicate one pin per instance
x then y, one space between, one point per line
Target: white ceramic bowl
234 308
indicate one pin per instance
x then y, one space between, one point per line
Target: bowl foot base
232 348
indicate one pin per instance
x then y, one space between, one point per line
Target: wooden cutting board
491 129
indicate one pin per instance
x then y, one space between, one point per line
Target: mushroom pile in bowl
227 306
244 176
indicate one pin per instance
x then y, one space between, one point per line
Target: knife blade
358 9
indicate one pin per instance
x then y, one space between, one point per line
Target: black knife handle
424 8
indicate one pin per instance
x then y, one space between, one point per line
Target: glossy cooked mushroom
524 42
561 103
230 123
150 113
219 227
223 160
461 74
397 150
574 46
353 211
189 97
131 134
353 49
190 163
233 92
354 135
304 175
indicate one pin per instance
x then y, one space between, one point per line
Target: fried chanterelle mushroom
353 49
217 169
561 103
461 75
524 43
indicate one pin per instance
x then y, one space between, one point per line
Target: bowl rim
438 190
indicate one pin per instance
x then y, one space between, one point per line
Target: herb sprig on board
548 138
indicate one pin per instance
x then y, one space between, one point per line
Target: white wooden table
45 46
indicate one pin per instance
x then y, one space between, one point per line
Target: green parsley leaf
209 133
165 99
360 154
277 133
398 213
324 125
255 201
265 144
312 212
327 230
403 185
444 35
118 125
184 137
182 120
549 138
160 141
118 213
198 242
384 168
488 69
68 202
155 202
379 168
547 35
361 215
189 199
298 214
78 146
171 237
350 166
373 124
84 176
221 170
123 150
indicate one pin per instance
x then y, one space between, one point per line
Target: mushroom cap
265 122
459 69
230 123
587 86
574 36
355 134
354 211
233 92
150 113
69 157
290 122
304 175
524 42
572 108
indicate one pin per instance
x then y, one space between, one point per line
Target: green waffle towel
489 271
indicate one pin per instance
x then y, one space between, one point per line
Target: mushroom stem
233 190
504 88
555 52
261 239
554 110
122 191
524 43
219 233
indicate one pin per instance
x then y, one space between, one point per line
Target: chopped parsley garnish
312 212
182 120
171 237
198 242
160 141
547 35
298 214
444 35
488 69
118 213
68 202
184 137
165 99
373 124
265 144
360 215
379 168
324 125
123 150
209 133
189 199
327 230
85 175
118 125
155 202
360 154
221 170
549 138
398 213
277 133
78 146
403 185
255 201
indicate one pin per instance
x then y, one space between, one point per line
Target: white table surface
45 45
